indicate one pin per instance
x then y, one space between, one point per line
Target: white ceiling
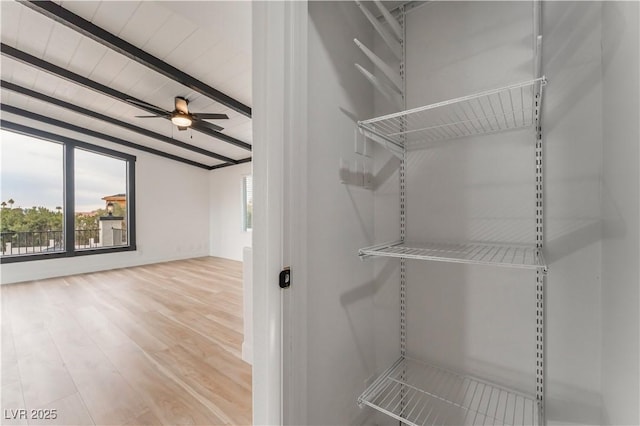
211 41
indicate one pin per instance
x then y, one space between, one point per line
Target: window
62 197
32 189
101 200
247 203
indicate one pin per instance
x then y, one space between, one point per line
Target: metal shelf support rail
541 275
403 200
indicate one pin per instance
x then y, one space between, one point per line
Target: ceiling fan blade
149 107
211 116
151 116
204 125
181 105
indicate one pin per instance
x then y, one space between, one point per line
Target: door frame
279 44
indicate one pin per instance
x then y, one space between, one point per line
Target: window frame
69 146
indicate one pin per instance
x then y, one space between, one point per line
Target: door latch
285 278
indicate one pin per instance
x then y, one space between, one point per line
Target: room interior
175 320
167 347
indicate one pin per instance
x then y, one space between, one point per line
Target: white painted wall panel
474 319
621 213
386 271
340 288
227 238
572 129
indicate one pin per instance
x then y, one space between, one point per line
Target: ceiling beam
219 166
89 29
89 113
64 125
50 68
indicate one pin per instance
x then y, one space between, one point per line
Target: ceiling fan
181 116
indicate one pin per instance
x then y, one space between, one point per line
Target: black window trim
69 145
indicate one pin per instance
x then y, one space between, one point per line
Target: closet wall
481 319
340 219
476 318
620 213
573 136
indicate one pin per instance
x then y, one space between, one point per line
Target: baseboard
61 267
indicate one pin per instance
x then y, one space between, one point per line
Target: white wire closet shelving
510 256
506 108
420 394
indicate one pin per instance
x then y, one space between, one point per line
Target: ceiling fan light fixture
181 120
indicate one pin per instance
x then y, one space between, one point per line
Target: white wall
482 188
227 238
620 200
340 287
471 318
572 128
172 204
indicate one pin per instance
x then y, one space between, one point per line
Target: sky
31 174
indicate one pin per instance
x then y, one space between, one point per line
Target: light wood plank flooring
156 344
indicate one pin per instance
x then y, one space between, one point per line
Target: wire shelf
420 394
512 256
506 108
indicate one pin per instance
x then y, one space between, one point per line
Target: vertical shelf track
540 281
539 173
402 172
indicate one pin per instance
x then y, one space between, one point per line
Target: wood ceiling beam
219 166
89 29
89 113
64 125
50 68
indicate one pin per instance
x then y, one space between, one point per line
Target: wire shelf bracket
394 147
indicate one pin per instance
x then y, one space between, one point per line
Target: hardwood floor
150 345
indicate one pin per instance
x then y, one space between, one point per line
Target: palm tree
10 203
3 204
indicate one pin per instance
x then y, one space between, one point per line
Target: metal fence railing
87 238
14 243
32 242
